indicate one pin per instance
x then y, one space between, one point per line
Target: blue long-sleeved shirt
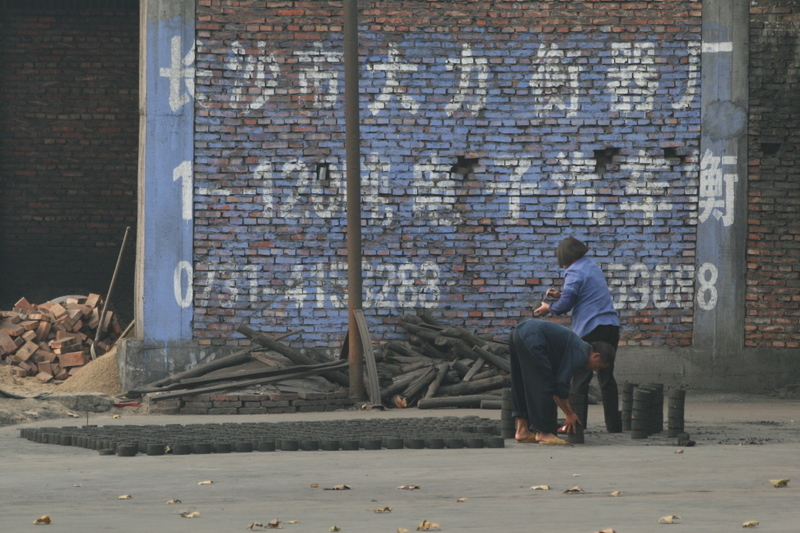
558 350
586 294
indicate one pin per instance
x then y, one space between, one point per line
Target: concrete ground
714 486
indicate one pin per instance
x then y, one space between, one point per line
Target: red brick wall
69 134
773 247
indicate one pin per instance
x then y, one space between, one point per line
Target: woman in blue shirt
585 293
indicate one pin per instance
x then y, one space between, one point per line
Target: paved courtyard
715 486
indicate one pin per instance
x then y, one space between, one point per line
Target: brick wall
773 247
69 141
490 131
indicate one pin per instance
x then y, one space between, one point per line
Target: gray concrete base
755 371
140 362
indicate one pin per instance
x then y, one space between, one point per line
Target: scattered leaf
339 487
400 402
255 525
576 475
608 530
77 485
124 497
574 490
187 514
541 487
117 416
751 523
45 519
209 482
73 415
408 487
779 482
314 485
402 530
461 500
429 526
274 524
335 528
616 493
173 501
384 510
291 522
678 451
669 519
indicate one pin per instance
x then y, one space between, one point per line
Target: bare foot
523 434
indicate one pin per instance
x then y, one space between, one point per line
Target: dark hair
607 352
570 250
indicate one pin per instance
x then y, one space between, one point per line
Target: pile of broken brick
53 340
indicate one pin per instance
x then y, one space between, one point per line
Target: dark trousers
605 377
532 389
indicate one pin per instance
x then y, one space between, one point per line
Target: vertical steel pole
353 163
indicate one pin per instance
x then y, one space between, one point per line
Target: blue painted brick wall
578 118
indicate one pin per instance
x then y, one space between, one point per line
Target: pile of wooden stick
442 366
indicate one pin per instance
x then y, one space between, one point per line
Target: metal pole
353 163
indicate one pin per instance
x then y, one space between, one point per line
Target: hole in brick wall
670 152
464 165
323 170
603 158
770 148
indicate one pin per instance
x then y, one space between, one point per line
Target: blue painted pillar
164 267
722 194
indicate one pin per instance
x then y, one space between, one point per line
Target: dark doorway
69 127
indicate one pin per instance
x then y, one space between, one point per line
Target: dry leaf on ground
461 500
187 514
408 487
400 403
314 485
339 487
44 519
779 482
574 490
173 501
429 526
608 530
117 416
669 519
124 497
750 523
209 482
616 493
334 528
402 530
678 451
384 510
274 524
541 487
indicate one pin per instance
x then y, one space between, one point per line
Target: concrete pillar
722 210
164 266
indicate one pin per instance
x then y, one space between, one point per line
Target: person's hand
542 310
571 423
554 294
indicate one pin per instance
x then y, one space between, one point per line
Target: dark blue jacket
559 351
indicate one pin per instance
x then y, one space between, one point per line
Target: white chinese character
555 81
467 63
392 85
433 193
251 70
376 187
180 70
573 179
642 183
717 189
635 77
693 79
319 78
515 188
